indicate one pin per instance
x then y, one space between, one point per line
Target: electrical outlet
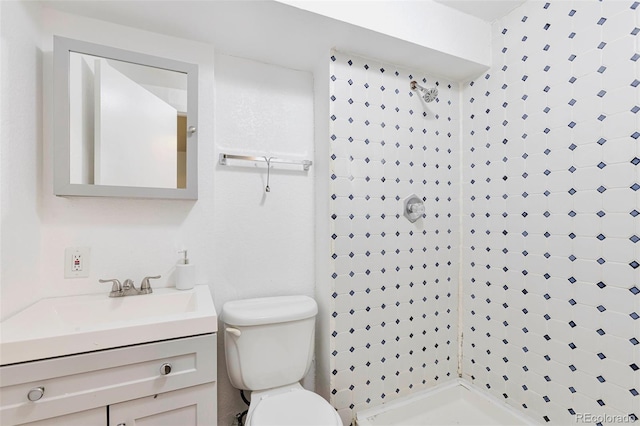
76 262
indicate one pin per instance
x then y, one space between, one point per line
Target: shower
429 95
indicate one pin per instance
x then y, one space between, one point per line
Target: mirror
124 123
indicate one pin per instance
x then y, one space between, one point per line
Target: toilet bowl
290 406
269 346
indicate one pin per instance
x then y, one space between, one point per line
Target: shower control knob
36 393
165 369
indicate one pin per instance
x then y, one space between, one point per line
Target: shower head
429 95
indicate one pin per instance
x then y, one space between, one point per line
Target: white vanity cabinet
160 383
97 416
190 406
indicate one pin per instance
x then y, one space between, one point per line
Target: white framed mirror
125 123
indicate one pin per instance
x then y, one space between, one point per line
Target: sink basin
75 324
89 312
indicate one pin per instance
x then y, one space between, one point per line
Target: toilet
269 345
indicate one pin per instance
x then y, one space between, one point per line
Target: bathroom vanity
163 381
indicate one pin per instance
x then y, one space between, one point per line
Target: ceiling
267 31
487 10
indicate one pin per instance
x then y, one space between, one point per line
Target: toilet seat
296 407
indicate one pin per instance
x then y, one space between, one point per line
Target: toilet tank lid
268 310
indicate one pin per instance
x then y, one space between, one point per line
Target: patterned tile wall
551 189
394 301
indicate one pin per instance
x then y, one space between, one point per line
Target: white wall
322 227
262 243
244 243
21 152
2 62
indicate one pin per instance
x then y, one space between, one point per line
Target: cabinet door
98 379
194 406
95 417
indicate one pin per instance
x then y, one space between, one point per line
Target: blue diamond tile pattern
395 282
542 145
578 222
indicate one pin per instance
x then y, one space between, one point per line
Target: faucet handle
145 286
116 288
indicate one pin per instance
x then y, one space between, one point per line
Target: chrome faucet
128 288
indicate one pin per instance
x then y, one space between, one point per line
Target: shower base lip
456 402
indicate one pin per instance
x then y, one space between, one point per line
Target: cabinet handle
36 393
165 369
122 424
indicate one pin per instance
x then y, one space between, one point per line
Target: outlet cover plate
77 261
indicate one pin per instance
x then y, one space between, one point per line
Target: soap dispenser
185 273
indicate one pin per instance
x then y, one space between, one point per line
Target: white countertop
75 324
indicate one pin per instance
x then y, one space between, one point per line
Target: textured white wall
551 223
1 136
262 243
322 262
21 154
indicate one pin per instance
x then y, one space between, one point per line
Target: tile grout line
460 235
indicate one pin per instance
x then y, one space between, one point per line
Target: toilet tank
268 341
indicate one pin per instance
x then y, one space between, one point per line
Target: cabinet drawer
96 379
